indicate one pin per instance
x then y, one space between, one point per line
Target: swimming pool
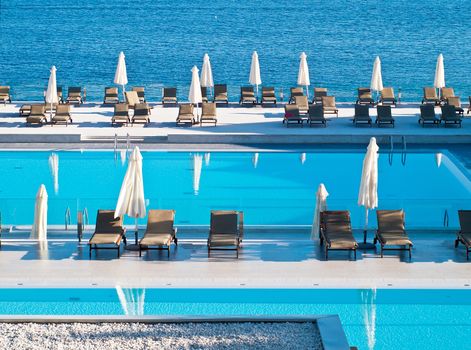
272 188
379 319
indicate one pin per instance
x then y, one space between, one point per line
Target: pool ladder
82 220
446 218
116 143
403 152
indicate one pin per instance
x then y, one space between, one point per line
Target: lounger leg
410 252
457 241
467 254
118 252
175 240
90 252
168 251
382 250
140 251
355 254
326 253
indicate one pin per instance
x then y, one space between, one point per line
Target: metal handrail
446 218
391 150
85 216
67 218
404 151
115 146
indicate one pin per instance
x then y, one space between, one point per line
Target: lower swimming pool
272 188
372 319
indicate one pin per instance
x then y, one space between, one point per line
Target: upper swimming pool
275 188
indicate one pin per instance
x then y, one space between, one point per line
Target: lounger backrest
268 91
316 112
4 90
140 91
427 112
454 101
185 108
301 101
247 91
170 92
465 220
121 109
107 223
62 109
328 101
336 222
430 93
447 92
364 93
208 109
362 111
319 92
141 108
37 109
384 112
75 91
111 92
224 221
296 91
132 98
291 111
449 112
387 92
220 89
160 221
390 220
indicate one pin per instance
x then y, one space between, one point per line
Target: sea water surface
162 40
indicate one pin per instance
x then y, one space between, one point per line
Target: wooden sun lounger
336 232
391 231
220 94
132 98
74 95
387 96
140 93
121 114
365 97
186 115
294 92
208 113
169 96
37 115
141 113
446 93
247 95
160 231
315 115
455 101
329 106
384 115
430 96
5 94
464 234
427 115
268 95
109 232
62 115
362 115
302 103
318 94
292 115
450 116
469 105
111 95
226 230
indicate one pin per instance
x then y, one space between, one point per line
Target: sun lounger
141 113
247 95
292 115
446 93
204 94
318 94
329 106
121 114
450 116
295 91
391 231
315 115
74 95
111 95
455 101
62 115
430 96
208 113
109 232
169 96
469 105
5 94
185 114
132 98
37 115
25 110
160 232
336 232
140 93
226 230
365 97
384 115
268 95
220 94
362 115
302 103
427 115
387 96
464 234
48 107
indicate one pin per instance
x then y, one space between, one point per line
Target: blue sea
162 40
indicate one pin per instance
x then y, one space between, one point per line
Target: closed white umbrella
195 89
197 165
131 201
54 168
255 78
439 81
376 77
121 76
303 73
321 205
206 73
368 193
51 93
39 228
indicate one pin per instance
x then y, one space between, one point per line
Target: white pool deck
236 125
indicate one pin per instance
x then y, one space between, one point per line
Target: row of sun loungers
186 115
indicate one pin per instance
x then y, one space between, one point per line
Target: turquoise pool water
379 319
278 189
162 41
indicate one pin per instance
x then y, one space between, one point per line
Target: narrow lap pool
379 319
275 188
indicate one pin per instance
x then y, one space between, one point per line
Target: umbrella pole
256 89
365 231
137 231
50 112
124 95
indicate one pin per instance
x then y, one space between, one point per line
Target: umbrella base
366 246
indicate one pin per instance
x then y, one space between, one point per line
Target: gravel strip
123 336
